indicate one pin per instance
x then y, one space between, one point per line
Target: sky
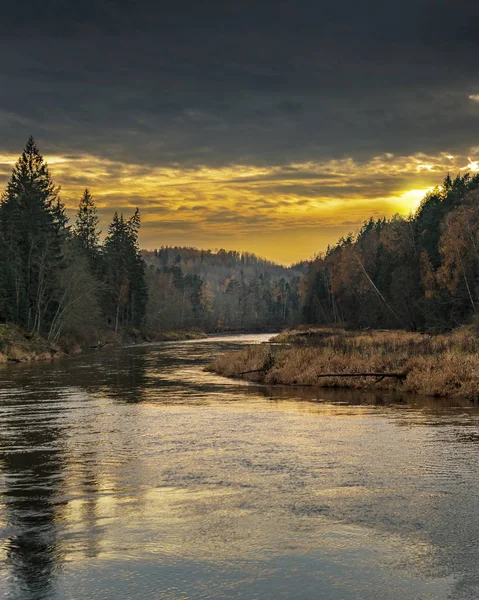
268 126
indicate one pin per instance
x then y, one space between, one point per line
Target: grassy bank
440 365
16 345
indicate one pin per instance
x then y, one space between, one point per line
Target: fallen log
268 363
379 375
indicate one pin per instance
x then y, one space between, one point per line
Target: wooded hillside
220 290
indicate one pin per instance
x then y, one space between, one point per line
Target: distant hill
216 266
221 289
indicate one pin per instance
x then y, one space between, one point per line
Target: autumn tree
459 248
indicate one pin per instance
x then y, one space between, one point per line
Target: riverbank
439 365
16 345
176 336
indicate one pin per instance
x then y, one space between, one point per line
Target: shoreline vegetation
444 365
18 346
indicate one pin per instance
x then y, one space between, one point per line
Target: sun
409 202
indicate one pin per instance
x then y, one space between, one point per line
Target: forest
57 279
418 273
220 291
63 280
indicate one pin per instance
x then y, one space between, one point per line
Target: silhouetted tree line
415 273
57 279
60 280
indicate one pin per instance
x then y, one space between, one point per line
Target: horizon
267 127
404 205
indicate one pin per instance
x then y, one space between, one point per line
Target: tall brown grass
440 365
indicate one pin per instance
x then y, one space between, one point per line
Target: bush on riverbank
441 365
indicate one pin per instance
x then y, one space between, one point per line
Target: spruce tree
125 293
138 288
33 228
86 230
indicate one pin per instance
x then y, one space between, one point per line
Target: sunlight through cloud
236 206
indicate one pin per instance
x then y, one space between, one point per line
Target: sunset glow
283 212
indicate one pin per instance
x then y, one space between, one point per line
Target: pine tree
138 289
86 230
33 228
126 294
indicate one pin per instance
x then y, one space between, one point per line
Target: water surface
132 473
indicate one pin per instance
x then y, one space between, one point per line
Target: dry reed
440 365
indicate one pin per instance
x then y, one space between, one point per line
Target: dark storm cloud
257 82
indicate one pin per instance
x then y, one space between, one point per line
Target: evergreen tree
125 295
86 230
194 289
137 268
33 228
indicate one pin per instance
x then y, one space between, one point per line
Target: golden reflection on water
134 472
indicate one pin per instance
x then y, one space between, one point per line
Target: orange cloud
283 212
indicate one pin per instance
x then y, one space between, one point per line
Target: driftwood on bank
253 371
268 363
379 376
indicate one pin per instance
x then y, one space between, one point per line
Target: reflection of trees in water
426 404
125 378
34 460
317 396
89 515
119 374
32 463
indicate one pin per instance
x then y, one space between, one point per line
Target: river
132 473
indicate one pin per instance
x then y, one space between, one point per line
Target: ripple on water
133 473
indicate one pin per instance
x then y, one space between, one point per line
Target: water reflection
134 473
31 462
125 377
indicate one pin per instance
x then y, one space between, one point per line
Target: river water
132 473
